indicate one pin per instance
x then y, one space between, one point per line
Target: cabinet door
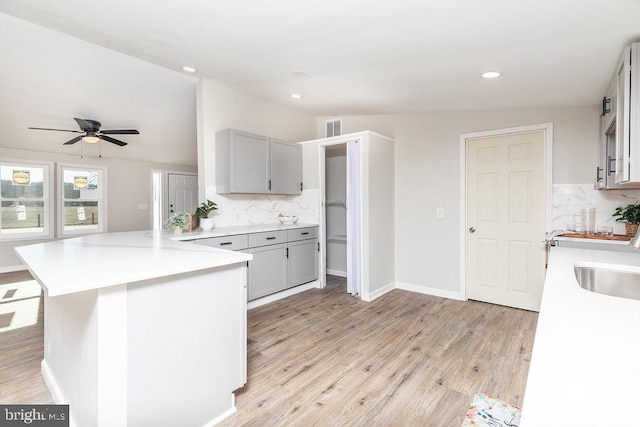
267 271
303 262
622 117
286 168
249 163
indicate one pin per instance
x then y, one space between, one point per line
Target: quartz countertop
585 366
237 229
100 260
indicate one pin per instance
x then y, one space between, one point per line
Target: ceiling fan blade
112 140
120 132
73 141
58 130
88 125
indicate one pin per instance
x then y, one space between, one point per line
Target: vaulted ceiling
364 56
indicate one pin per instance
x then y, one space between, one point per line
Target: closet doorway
340 185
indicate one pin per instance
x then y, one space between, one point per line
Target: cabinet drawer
232 243
267 238
302 234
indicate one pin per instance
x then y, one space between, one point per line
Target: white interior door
505 219
183 193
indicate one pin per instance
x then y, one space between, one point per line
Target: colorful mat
487 411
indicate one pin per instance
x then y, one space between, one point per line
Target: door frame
548 185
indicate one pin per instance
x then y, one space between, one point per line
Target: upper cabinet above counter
619 151
255 164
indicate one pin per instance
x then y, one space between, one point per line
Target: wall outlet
143 206
439 212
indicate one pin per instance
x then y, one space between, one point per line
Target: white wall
427 150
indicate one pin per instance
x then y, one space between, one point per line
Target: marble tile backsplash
568 199
249 209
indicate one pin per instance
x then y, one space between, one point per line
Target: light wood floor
325 358
21 351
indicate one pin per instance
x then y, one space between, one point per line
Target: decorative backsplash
568 199
249 209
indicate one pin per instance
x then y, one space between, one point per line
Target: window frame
48 199
102 199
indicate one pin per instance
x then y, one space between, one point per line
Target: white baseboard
12 268
336 273
430 291
280 295
379 292
54 389
225 414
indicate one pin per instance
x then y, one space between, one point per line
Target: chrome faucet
548 238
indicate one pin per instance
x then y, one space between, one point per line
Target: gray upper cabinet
256 164
286 168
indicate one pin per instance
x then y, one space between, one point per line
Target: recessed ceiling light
189 69
491 75
296 96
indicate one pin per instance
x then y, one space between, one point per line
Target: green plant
205 209
178 220
629 214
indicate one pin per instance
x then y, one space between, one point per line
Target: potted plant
203 212
178 221
630 215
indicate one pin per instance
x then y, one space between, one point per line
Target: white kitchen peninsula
142 330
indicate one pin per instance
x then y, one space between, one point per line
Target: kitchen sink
616 283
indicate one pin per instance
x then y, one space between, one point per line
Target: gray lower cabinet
302 262
267 271
282 259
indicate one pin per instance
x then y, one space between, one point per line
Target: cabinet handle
287 252
305 233
605 110
300 186
610 161
598 170
270 238
226 243
269 185
318 246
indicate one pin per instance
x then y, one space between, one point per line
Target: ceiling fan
93 134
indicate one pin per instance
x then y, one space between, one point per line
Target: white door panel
506 219
183 193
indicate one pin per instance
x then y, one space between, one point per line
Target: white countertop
238 229
101 260
585 366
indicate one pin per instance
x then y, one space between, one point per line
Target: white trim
48 199
379 292
548 174
281 295
346 137
102 200
225 414
12 268
430 291
54 389
336 273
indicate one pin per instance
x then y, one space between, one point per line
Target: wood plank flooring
325 358
21 351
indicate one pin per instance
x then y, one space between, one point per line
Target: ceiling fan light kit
92 133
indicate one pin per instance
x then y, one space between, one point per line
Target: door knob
472 230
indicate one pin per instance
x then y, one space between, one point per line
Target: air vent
334 127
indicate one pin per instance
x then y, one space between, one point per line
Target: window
82 195
25 200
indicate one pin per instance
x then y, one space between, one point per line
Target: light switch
143 206
439 212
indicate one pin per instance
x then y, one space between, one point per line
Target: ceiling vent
333 127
